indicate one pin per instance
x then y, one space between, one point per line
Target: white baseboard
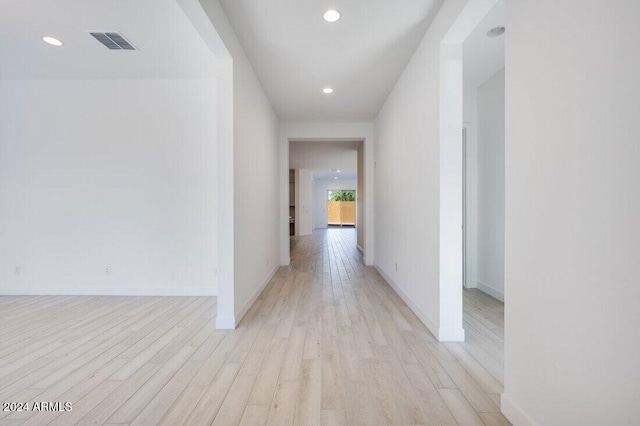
421 315
245 308
225 323
285 262
360 249
514 413
448 334
443 334
490 291
472 284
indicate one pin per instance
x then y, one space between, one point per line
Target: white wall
323 156
470 117
360 201
490 186
483 57
304 202
256 179
407 177
572 206
320 188
117 174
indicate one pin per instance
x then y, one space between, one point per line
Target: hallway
379 363
328 342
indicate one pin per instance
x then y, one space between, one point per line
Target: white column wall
490 185
252 160
572 205
304 202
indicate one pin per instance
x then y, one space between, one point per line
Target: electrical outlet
16 270
396 266
107 271
215 272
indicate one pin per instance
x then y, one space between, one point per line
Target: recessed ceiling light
495 32
331 15
336 177
327 90
52 41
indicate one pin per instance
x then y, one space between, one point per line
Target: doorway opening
341 207
326 187
483 185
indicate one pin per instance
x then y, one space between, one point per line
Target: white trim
243 311
285 262
514 413
225 323
421 315
490 291
368 260
48 290
361 250
451 334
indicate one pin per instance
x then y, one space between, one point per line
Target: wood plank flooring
327 343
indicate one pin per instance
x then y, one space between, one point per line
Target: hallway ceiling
484 56
296 54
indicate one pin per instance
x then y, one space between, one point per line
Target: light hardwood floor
328 342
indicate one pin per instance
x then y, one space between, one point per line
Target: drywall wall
256 180
407 178
323 156
490 186
108 187
320 188
572 203
360 204
304 202
470 118
483 57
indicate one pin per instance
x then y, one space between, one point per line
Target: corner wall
407 178
360 204
470 117
572 206
490 186
256 179
304 202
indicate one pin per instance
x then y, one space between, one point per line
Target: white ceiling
484 56
169 46
322 157
296 53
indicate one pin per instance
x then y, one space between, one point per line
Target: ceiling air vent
113 41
